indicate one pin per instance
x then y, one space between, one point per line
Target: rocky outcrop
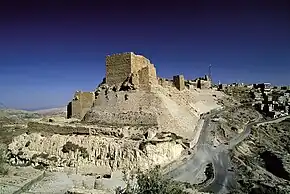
111 130
90 151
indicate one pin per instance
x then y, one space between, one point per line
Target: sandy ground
19 178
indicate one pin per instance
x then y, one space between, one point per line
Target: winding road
223 181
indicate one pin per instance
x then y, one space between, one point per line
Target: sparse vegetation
17 115
69 146
268 143
12 122
151 182
3 168
242 94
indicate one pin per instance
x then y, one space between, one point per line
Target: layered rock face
87 152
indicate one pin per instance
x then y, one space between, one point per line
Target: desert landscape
133 120
199 137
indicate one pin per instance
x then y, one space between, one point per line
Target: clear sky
50 49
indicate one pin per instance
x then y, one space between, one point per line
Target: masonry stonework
205 84
179 82
121 66
165 82
201 83
147 77
118 68
138 62
124 72
81 103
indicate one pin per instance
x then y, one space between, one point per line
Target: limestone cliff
90 151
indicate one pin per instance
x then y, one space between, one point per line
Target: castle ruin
137 68
178 81
200 83
124 72
81 103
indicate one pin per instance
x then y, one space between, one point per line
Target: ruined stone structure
122 70
179 82
205 84
125 73
165 82
201 83
120 67
81 103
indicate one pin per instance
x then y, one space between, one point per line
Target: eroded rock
85 152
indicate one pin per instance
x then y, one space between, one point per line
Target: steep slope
171 110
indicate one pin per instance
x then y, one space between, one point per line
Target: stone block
121 66
205 84
82 102
118 68
179 82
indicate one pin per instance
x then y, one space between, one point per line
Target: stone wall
165 82
178 81
205 84
124 108
121 118
121 66
138 62
198 83
118 68
147 77
81 103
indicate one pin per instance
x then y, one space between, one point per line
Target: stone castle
128 71
139 69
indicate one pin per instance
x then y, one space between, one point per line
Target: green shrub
151 182
69 146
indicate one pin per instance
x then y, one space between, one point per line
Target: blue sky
48 50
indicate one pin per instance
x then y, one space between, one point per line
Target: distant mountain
2 106
41 108
17 114
61 111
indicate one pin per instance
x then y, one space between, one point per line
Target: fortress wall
179 82
144 79
114 108
87 100
165 82
118 68
76 109
116 102
121 118
152 75
202 84
138 62
82 102
147 77
205 84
